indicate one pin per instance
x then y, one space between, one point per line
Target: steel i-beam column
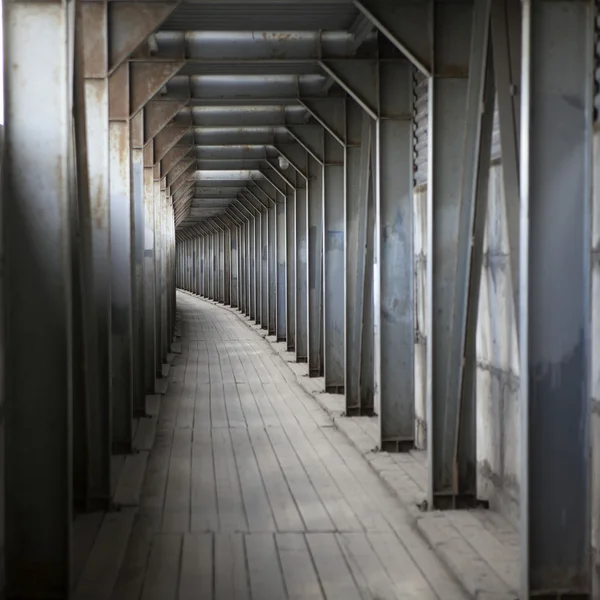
121 260
447 127
253 268
221 235
150 341
554 336
358 385
290 260
280 270
334 201
301 329
462 357
38 294
137 251
200 249
273 257
393 277
264 268
315 261
258 227
164 299
158 276
207 266
235 262
227 265
95 63
242 282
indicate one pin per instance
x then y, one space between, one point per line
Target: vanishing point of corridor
250 491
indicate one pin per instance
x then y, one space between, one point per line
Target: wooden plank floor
250 493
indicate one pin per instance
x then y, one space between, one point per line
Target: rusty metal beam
93 24
179 168
129 24
147 79
159 113
167 138
174 157
183 190
183 178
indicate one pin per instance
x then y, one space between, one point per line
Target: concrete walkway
250 492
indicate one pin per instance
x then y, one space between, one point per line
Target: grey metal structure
270 156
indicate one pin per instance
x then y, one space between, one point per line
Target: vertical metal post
264 268
254 269
227 235
334 267
447 126
258 270
137 252
290 261
95 64
158 244
150 340
221 235
235 265
165 254
121 260
315 262
462 358
272 258
198 242
554 336
280 270
393 280
358 385
38 294
207 266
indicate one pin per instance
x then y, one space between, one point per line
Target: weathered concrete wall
497 353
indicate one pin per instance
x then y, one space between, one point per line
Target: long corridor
250 492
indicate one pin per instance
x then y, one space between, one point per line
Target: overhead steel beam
167 138
277 187
174 157
244 46
407 25
158 114
558 63
129 25
306 137
359 78
179 169
38 296
328 112
146 79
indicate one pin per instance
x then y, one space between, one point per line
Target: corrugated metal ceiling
262 16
